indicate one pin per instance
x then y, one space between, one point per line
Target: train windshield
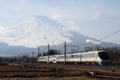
103 55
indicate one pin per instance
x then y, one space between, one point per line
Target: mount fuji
41 31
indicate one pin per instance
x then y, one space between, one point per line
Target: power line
102 38
44 48
93 41
109 35
116 42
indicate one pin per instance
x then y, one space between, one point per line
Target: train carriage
42 59
74 57
52 59
60 58
91 57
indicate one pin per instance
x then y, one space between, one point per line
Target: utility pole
32 56
65 52
38 51
27 57
19 59
32 59
48 53
59 52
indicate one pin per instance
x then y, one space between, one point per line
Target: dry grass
17 72
53 78
14 65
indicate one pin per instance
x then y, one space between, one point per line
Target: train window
71 56
41 58
52 56
80 56
83 55
103 55
76 56
86 55
57 57
61 57
91 55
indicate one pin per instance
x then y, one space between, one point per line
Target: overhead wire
93 41
101 38
109 35
44 48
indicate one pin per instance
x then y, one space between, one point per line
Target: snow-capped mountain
41 31
37 31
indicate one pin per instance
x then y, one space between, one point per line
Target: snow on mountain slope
37 31
41 31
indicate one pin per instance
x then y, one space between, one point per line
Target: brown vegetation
53 78
15 72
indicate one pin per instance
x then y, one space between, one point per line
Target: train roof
77 53
88 52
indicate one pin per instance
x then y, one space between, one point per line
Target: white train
91 57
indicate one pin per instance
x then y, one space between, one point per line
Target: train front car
103 58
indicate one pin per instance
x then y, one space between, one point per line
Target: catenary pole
65 52
48 53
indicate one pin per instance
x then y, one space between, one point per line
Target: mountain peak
40 17
41 31
37 31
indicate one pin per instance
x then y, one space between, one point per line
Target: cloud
3 30
72 25
93 41
71 22
56 16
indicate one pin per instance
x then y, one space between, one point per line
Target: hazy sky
93 18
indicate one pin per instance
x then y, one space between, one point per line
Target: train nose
104 62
